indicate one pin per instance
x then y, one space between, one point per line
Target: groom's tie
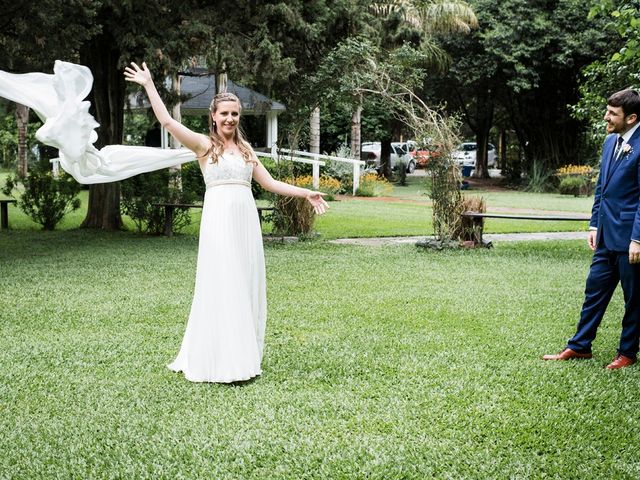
614 157
616 152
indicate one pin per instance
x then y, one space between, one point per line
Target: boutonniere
627 149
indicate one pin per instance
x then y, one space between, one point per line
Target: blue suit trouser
609 268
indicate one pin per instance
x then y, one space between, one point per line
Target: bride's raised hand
319 204
138 75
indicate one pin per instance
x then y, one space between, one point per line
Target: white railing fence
316 160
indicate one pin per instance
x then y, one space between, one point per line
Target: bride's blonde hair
217 143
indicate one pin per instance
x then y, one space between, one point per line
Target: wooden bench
478 219
169 208
4 213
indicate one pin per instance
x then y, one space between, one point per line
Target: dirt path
488 237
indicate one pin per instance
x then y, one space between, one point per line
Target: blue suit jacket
616 206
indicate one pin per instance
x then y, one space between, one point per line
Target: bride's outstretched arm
196 142
264 178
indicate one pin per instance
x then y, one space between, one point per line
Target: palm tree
431 16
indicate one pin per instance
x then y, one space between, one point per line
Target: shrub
192 181
273 168
540 178
577 180
293 215
329 185
400 169
140 193
45 198
341 170
444 181
371 185
575 186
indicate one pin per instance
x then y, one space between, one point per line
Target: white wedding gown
224 338
225 333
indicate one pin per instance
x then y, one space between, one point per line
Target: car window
467 147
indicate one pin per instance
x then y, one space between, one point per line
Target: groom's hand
592 239
634 252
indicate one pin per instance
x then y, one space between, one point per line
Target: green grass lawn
380 362
406 211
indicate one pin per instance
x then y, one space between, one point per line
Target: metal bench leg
4 216
168 220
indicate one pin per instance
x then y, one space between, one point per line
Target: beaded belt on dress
215 183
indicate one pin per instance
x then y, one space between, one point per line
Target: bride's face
226 118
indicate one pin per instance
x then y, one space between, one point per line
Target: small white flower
627 149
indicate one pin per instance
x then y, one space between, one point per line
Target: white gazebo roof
201 87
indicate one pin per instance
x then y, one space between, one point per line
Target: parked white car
370 153
465 155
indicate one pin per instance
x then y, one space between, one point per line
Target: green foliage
34 34
142 192
274 170
372 185
9 138
444 191
618 68
576 186
45 198
136 127
400 171
341 170
8 141
193 186
540 178
519 72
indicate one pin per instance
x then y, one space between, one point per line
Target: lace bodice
230 168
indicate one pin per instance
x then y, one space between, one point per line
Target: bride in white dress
224 338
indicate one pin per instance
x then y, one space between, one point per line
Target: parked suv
370 153
465 155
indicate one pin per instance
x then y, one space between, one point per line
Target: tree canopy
521 68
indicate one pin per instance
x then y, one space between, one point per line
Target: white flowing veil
58 100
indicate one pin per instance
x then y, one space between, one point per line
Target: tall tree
616 68
32 35
525 60
163 33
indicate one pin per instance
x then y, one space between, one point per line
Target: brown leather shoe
567 354
620 362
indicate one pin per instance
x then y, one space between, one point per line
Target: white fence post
356 177
316 175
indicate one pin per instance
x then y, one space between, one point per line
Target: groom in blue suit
614 235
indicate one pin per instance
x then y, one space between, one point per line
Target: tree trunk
22 120
314 136
107 99
502 147
385 158
484 121
356 128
